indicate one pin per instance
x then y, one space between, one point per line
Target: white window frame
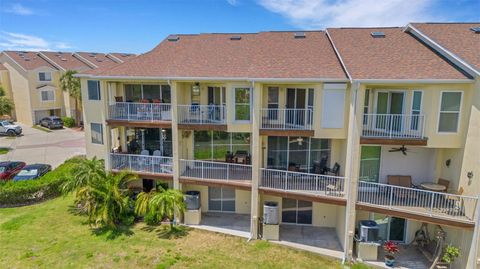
235 103
45 72
91 136
440 111
47 101
420 111
98 91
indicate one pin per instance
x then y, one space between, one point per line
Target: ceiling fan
403 149
298 140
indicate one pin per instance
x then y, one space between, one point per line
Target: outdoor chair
334 171
444 182
400 181
320 167
456 201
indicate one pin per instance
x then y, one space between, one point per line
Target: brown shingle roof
396 56
455 37
28 60
98 59
66 60
122 56
260 55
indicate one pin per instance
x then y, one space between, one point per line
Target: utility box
270 213
271 232
367 251
193 217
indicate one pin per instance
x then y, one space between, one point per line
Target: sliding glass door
221 199
370 163
389 103
296 211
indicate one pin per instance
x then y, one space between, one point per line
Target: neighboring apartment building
32 80
336 126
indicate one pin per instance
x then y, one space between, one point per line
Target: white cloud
335 13
19 10
232 2
18 41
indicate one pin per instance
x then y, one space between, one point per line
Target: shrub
31 191
68 122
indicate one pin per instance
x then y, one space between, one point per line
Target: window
242 104
221 199
214 145
93 90
151 93
416 110
47 96
45 76
449 112
272 103
296 211
97 133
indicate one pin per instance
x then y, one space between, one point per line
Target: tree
6 104
160 203
83 173
106 200
71 84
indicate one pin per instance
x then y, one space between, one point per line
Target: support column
256 90
175 137
352 165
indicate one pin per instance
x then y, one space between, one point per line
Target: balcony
416 203
286 120
150 113
145 165
201 114
332 188
216 172
401 129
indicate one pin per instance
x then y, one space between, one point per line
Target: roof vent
235 37
173 38
63 59
99 60
299 35
378 34
476 30
26 59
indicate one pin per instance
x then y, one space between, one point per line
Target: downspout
252 224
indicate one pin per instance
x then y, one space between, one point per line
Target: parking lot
37 146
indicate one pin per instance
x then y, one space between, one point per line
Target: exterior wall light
470 175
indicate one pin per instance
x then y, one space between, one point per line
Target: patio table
433 186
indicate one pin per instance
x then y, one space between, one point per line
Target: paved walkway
36 146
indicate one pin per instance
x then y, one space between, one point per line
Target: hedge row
32 191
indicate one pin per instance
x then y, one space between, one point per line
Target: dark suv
51 122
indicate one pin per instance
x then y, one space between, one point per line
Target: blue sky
138 25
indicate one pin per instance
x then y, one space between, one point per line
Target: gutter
277 80
414 81
442 50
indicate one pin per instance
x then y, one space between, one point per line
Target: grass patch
48 235
41 128
4 150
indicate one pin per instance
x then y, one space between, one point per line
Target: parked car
32 171
10 129
51 122
10 169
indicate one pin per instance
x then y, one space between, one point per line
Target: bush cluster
32 191
68 122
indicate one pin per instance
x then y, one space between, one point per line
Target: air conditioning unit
192 200
368 230
270 213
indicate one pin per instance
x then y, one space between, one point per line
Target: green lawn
47 235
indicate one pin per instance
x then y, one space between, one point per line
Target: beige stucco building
31 79
335 127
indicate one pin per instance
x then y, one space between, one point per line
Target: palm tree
6 104
106 201
162 203
71 84
83 173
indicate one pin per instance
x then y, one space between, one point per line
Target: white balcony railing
141 163
140 111
215 170
417 201
286 118
295 181
201 114
393 126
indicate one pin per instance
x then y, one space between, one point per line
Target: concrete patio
228 223
409 257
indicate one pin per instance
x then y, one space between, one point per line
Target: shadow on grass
113 233
166 231
76 210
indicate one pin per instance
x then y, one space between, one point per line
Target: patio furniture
229 157
444 182
144 152
118 99
335 170
433 186
241 156
457 201
334 188
157 153
401 181
293 167
320 167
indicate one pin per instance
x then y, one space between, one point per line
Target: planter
389 260
442 265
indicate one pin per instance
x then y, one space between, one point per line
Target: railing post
228 171
151 111
390 126
390 203
286 175
128 111
431 203
203 170
130 162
